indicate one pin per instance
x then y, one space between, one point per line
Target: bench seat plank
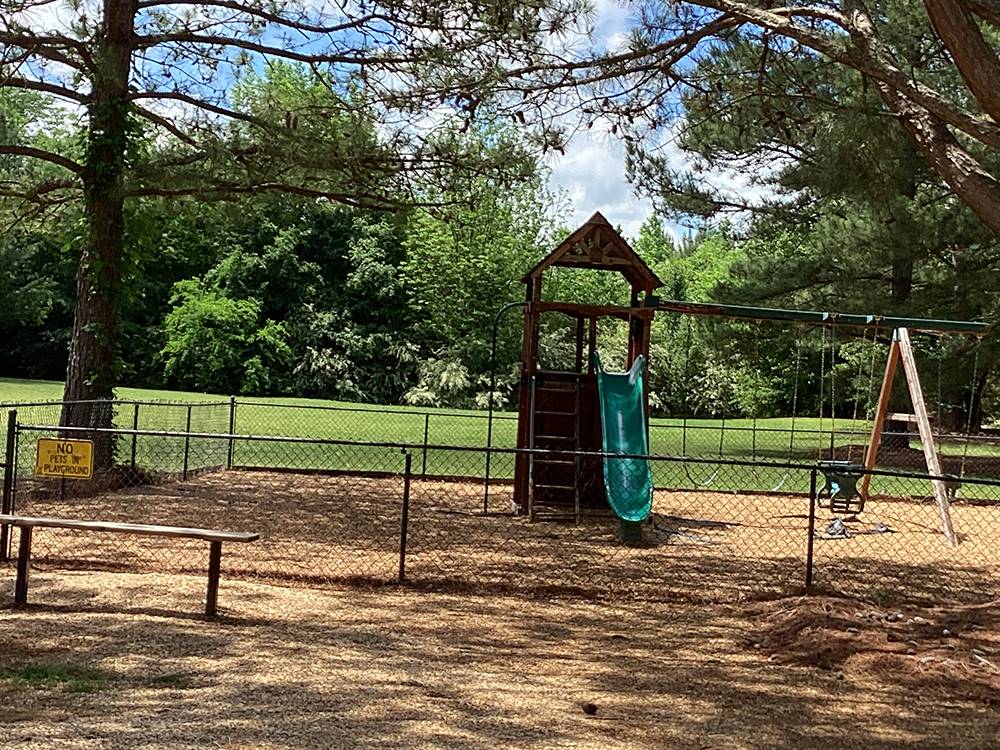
210 535
28 524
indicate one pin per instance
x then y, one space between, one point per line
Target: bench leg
23 556
214 568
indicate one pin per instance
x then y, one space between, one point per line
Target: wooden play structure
565 466
558 409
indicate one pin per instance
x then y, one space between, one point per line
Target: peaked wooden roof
597 245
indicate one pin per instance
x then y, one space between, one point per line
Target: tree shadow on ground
295 668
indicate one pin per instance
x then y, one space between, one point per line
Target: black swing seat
839 492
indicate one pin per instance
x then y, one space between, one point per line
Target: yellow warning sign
70 459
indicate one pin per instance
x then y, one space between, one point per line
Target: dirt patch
951 651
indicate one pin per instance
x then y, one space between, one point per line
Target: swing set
846 484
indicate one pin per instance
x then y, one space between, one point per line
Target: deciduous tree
360 121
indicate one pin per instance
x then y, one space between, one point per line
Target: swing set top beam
744 312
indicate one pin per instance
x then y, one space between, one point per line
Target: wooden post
634 331
214 569
871 454
631 353
9 467
576 448
536 313
531 454
579 344
926 436
23 557
591 345
901 350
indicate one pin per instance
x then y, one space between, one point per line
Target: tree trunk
975 59
895 437
972 184
902 279
90 373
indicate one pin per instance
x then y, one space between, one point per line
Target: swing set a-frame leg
881 410
901 350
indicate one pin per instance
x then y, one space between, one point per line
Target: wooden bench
215 539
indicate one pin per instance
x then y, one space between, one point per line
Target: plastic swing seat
839 492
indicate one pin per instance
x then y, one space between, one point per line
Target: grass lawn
770 439
18 389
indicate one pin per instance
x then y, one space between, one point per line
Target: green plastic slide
628 481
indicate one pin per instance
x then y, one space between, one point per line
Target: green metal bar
745 312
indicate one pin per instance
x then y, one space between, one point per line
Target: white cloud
55 16
592 174
612 21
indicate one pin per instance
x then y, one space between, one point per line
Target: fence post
135 436
423 460
405 520
232 431
811 529
187 443
9 468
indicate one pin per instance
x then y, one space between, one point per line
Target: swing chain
972 405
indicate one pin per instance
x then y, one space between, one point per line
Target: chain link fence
348 509
764 441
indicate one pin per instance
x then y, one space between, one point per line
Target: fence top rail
111 401
375 408
417 447
862 430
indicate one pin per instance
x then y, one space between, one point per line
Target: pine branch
43 86
867 54
37 153
227 191
275 18
49 46
217 109
280 53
